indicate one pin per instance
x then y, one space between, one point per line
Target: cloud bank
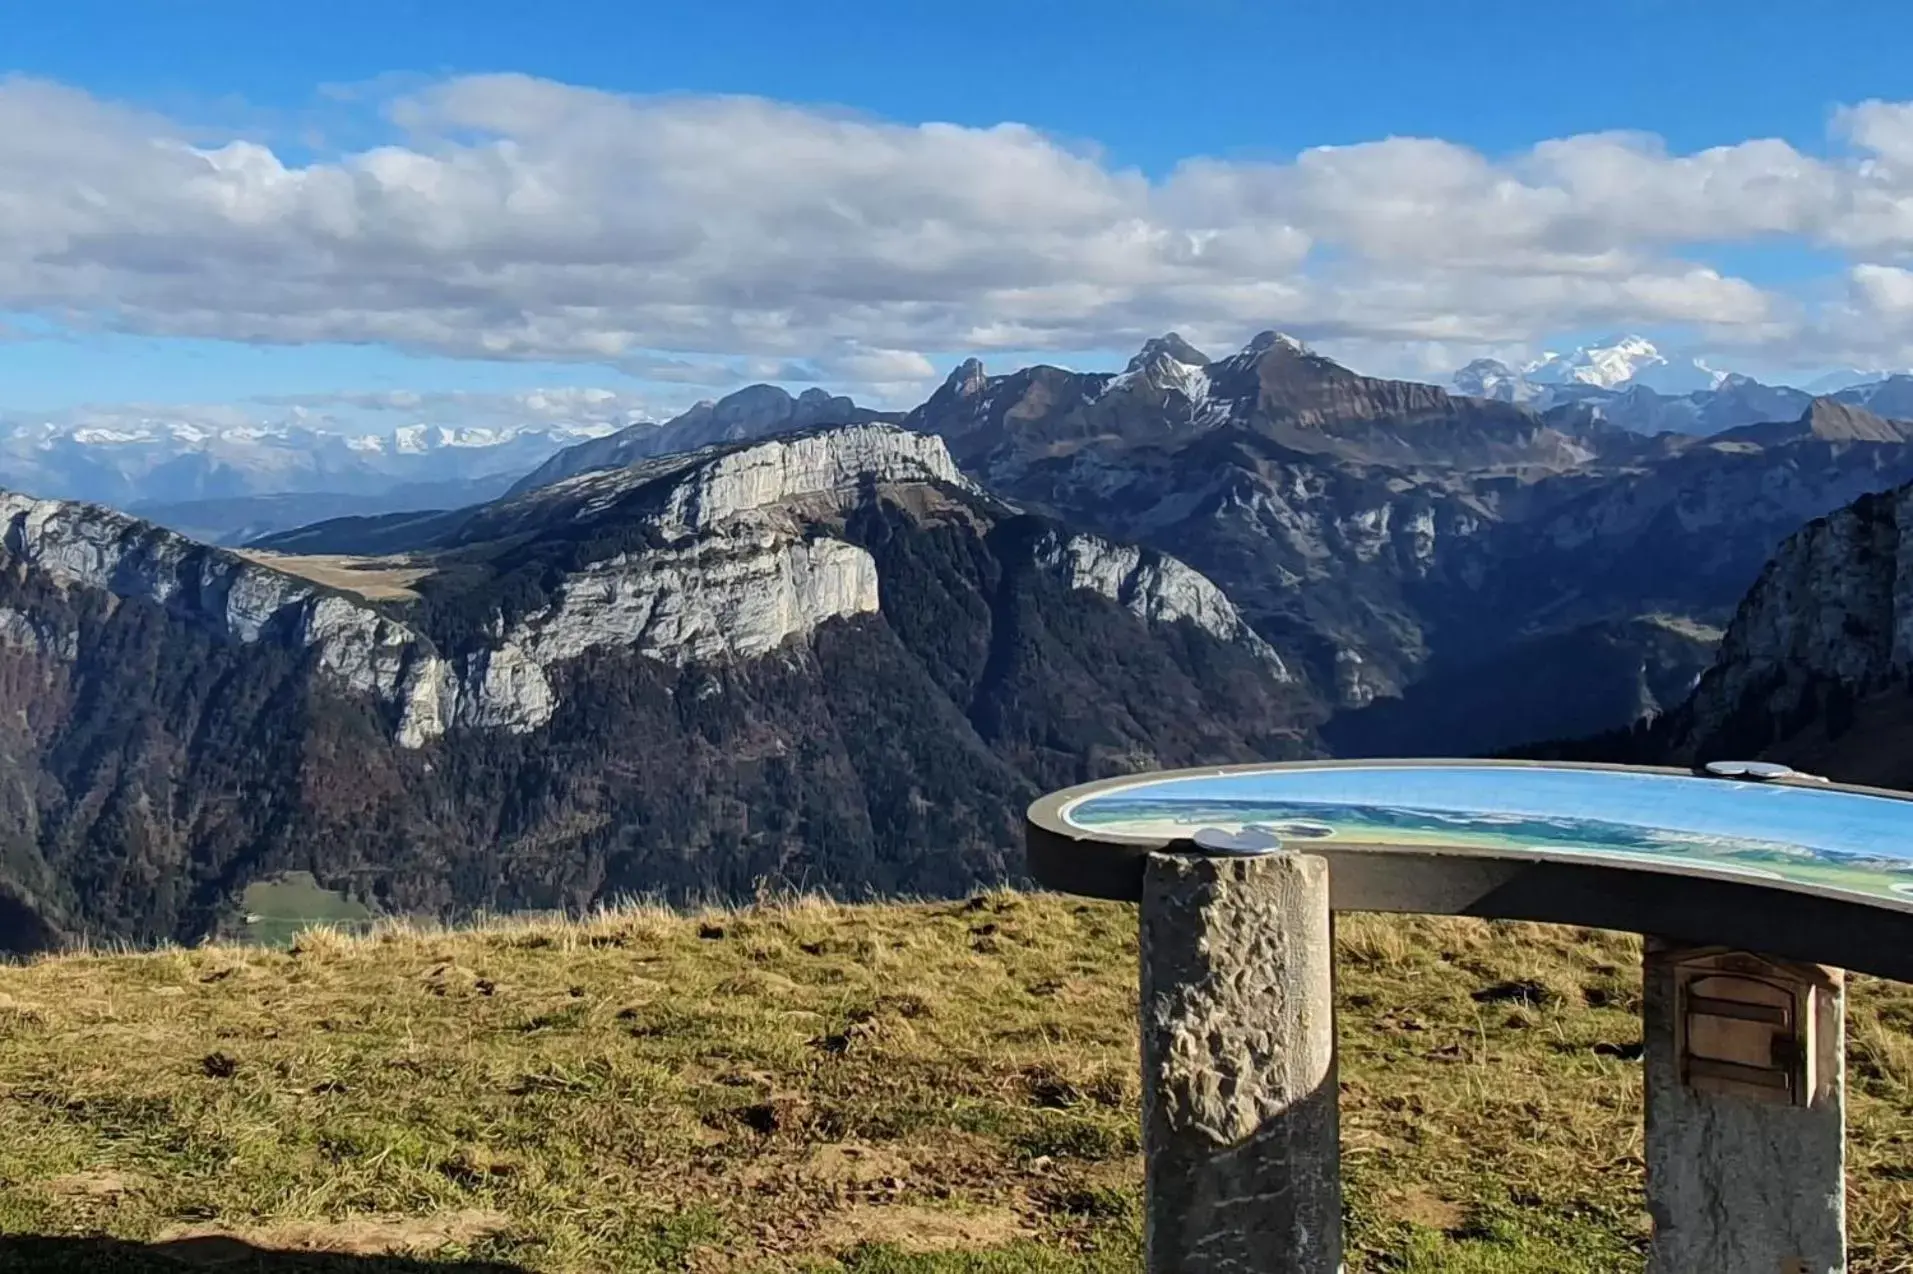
515 218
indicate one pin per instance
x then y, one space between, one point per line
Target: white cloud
700 239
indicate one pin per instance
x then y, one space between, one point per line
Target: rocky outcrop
34 635
86 546
702 602
1830 619
1153 587
757 411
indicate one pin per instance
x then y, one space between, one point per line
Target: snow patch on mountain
1167 364
1626 360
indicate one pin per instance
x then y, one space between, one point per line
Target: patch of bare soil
1418 1205
917 1229
91 1185
358 1236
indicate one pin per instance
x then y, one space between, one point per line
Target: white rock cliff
738 575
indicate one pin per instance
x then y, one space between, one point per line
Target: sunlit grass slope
940 1087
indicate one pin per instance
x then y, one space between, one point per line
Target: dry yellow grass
373 578
934 1087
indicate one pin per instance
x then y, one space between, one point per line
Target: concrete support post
1745 1083
1240 1130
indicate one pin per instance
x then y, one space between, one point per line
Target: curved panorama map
1819 838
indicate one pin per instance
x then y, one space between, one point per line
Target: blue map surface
1818 837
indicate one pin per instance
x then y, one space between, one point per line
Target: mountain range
828 658
1626 362
229 478
1631 382
798 639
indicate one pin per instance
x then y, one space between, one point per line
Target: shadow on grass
30 1254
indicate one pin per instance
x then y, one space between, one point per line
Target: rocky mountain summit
1380 532
827 658
756 411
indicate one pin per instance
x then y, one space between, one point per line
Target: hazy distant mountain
1891 396
161 461
243 519
1632 383
1738 401
1845 378
756 411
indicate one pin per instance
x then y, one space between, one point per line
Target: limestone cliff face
705 490
705 601
732 566
1832 616
729 568
733 580
824 659
86 546
1154 587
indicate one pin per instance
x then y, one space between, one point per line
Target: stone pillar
1240 1131
1745 1082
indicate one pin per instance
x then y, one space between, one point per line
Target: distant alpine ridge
1630 381
126 461
1625 362
231 482
793 637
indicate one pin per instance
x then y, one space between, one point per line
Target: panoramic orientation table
1755 887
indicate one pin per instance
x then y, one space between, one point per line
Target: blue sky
1132 89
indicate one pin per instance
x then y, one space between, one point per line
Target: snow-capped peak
1166 363
1624 361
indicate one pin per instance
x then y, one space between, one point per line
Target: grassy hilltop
939 1087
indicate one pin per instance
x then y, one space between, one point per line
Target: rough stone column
1737 1182
1240 1130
